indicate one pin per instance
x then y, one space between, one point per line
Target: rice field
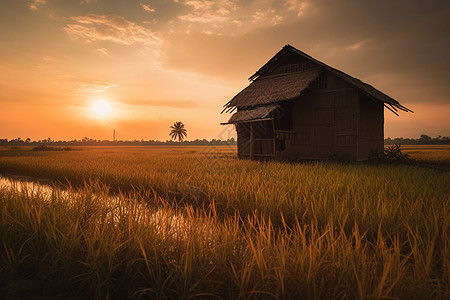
195 222
435 154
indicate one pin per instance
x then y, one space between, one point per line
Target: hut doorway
256 139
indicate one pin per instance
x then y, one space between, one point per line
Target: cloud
103 51
297 5
48 58
34 5
95 87
88 2
147 8
407 47
230 16
110 28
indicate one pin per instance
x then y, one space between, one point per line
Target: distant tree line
92 142
423 140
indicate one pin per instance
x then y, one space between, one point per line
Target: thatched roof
272 89
258 113
370 90
275 88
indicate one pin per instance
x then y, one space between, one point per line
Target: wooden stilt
251 140
273 132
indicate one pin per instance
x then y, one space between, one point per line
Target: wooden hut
297 106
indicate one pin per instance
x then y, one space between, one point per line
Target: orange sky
161 61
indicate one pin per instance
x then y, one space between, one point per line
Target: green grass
249 230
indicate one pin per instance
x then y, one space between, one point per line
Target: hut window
293 68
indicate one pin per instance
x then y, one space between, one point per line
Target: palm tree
178 132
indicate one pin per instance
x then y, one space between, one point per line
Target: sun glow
101 107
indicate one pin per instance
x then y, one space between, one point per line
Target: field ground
422 153
195 222
435 154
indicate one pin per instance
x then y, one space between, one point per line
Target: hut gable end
288 63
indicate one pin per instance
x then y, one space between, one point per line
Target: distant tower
114 135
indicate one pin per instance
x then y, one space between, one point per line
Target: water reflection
98 204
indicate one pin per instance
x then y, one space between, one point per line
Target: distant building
297 106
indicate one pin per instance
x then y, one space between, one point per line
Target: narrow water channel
165 218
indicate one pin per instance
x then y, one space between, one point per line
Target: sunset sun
101 107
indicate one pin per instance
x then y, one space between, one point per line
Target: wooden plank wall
255 139
346 124
370 127
243 139
325 121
